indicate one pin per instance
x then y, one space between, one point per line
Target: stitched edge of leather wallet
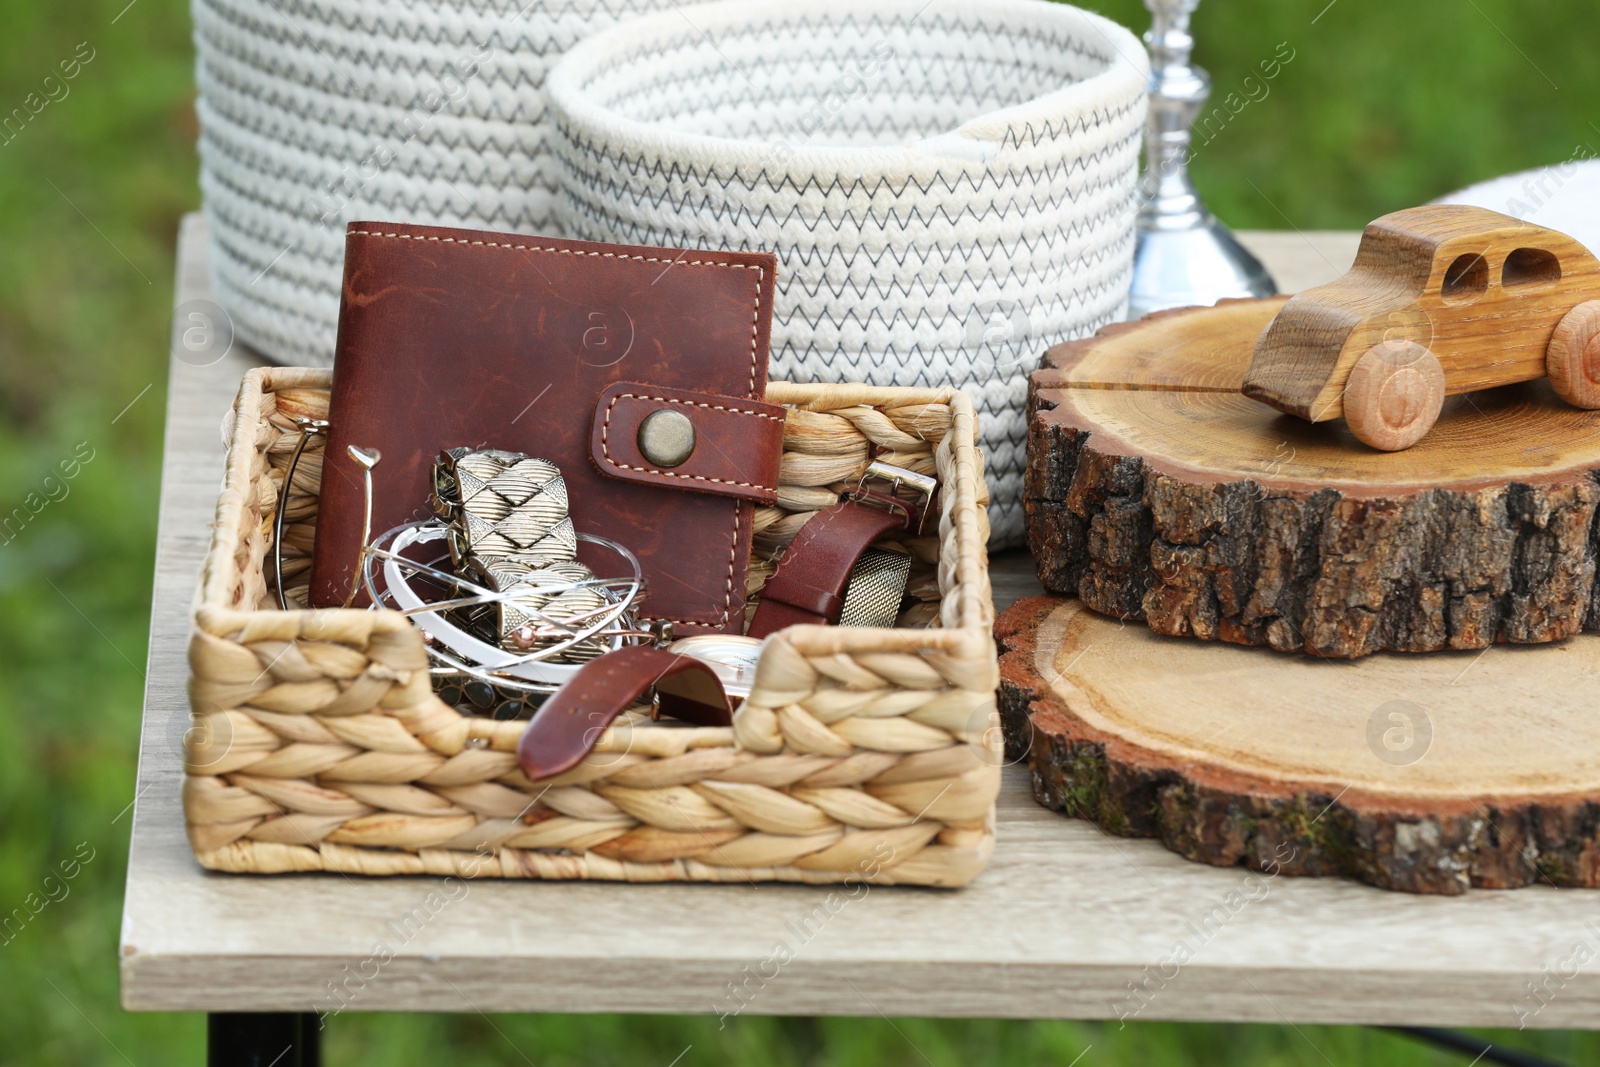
371 265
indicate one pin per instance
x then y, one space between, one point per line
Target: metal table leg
263 1039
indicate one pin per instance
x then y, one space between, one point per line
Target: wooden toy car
1441 300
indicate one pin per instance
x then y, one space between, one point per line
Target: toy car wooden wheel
1496 300
1394 395
1573 358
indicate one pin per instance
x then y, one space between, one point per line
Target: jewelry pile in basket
507 611
509 615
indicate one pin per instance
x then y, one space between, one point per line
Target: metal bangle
309 428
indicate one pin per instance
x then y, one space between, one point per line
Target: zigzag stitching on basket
338 131
427 148
805 28
990 257
301 53
944 106
927 85
1026 53
330 96
826 27
575 141
941 106
334 10
910 220
981 78
722 83
1092 229
888 288
314 74
889 352
400 29
517 115
423 207
477 8
521 130
957 314
289 310
458 175
575 144
1012 34
524 110
913 221
810 255
784 350
913 70
826 257
290 35
838 317
617 228
610 189
712 187
269 161
901 357
318 80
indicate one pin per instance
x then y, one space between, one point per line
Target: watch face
732 658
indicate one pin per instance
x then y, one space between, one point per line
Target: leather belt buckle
898 491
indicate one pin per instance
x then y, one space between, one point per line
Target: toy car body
1441 300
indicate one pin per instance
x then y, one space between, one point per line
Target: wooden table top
1061 923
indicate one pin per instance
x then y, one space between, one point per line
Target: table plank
1059 926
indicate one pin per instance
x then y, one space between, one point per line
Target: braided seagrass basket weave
861 754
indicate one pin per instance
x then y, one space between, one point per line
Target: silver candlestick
1184 256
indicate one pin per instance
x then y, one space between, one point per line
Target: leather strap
569 724
810 581
736 450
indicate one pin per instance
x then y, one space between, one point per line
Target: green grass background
1384 105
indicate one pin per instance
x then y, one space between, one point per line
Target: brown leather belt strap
567 727
810 582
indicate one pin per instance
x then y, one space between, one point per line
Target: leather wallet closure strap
682 439
569 725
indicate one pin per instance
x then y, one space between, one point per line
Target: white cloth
1565 197
950 186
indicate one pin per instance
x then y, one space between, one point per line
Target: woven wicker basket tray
863 754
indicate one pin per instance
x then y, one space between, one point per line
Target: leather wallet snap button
666 438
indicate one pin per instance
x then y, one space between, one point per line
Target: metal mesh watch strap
877 586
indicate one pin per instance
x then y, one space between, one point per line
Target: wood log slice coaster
1422 774
1157 492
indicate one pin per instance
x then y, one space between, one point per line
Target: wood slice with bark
1157 492
1425 775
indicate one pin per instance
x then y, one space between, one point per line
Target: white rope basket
950 185
317 112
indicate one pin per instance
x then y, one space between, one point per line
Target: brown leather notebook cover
458 337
